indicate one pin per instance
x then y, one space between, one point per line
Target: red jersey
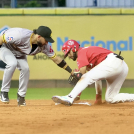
91 56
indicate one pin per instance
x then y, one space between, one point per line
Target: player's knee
108 99
12 65
26 70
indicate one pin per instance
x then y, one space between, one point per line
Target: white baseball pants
114 71
12 63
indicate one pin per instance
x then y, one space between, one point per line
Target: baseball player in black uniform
15 44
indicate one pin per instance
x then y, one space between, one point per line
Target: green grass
47 93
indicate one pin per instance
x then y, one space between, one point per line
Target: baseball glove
73 79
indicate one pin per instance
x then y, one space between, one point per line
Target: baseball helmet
70 44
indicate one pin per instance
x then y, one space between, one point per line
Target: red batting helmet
70 44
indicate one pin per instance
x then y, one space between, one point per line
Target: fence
100 3
16 3
73 3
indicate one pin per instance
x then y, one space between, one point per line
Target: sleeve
82 60
49 51
11 37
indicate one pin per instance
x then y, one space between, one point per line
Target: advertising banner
114 32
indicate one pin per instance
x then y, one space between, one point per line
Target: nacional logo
114 45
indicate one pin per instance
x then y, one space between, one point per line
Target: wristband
64 65
68 69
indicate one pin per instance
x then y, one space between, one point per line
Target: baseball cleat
62 100
4 97
21 100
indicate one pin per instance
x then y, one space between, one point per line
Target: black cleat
4 97
21 100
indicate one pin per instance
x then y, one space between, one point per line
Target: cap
45 32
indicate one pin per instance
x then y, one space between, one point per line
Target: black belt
21 57
118 56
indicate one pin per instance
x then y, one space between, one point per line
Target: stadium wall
108 28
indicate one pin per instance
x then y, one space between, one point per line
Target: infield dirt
44 117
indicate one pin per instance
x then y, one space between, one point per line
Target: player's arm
1 40
61 63
83 70
98 87
56 59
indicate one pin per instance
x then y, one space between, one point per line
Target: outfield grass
47 93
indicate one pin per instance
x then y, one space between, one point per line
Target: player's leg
2 67
23 80
114 85
7 57
98 88
86 79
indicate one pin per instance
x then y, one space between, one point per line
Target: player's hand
75 71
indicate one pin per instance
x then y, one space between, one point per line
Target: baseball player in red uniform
96 64
15 44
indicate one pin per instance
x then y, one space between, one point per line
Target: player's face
70 54
41 41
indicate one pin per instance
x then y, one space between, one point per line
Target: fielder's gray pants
12 63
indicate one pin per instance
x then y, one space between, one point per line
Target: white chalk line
79 103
